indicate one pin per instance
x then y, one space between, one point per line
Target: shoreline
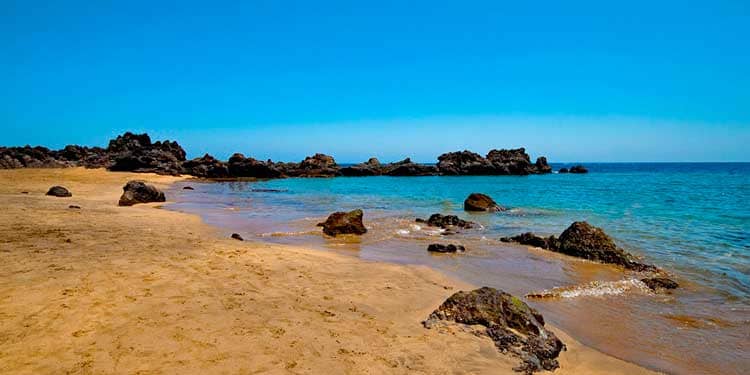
122 289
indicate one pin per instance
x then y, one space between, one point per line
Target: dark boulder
344 223
139 192
440 248
446 221
497 162
660 283
542 166
318 165
563 170
530 239
586 241
59 191
188 188
240 166
74 207
578 169
237 236
515 327
206 167
511 162
481 202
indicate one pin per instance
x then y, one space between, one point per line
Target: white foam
592 289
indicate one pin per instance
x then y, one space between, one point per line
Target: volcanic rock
578 169
139 192
344 223
660 283
206 167
407 167
370 168
481 202
59 191
530 239
446 221
135 153
240 166
237 236
515 327
563 170
586 241
440 248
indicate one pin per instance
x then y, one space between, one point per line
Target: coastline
122 289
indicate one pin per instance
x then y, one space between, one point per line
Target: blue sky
576 81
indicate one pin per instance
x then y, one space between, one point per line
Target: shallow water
691 219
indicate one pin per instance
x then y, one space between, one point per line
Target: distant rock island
137 153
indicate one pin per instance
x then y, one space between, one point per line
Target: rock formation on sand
139 192
515 327
481 202
586 241
344 223
59 191
440 248
446 221
137 153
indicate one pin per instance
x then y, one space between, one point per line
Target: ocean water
692 219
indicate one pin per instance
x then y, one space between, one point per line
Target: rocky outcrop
135 153
440 248
407 167
578 169
370 168
563 170
481 202
136 191
497 162
344 223
240 166
583 240
660 283
446 221
515 327
206 167
318 165
59 191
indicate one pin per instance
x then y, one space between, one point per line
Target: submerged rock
344 223
530 239
481 202
660 283
578 169
59 191
139 192
446 221
515 327
583 240
450 248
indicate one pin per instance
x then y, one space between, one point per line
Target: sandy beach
108 289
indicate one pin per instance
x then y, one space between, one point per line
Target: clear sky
576 81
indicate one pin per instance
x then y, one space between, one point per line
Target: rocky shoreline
137 153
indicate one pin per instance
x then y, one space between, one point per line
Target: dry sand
108 289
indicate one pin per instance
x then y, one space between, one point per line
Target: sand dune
108 289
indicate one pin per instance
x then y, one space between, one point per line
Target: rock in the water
497 162
530 239
446 221
139 192
206 167
657 283
450 248
584 240
563 170
407 167
371 168
578 169
237 236
59 191
188 188
513 325
481 202
344 223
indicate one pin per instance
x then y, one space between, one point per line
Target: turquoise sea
692 219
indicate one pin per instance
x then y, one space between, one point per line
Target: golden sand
108 289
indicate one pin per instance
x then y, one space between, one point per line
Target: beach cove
107 289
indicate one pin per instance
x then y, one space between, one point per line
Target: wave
593 289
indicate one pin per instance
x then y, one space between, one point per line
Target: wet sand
107 289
